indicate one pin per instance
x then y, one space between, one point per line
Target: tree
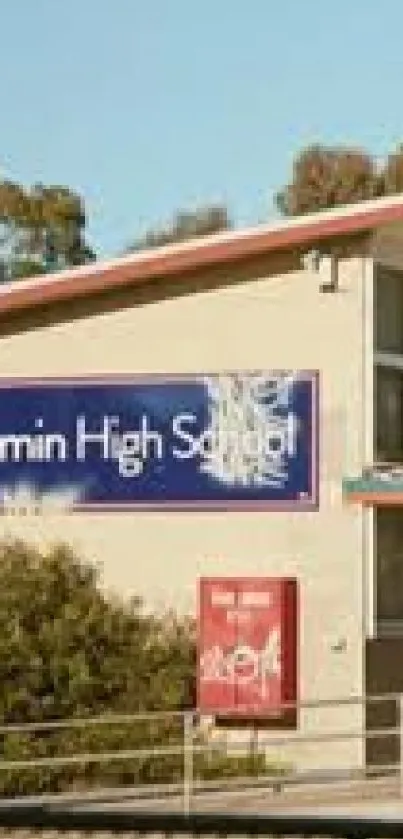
187 225
42 229
392 174
68 650
326 177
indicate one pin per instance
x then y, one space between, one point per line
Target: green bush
68 651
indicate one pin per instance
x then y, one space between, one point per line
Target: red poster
247 645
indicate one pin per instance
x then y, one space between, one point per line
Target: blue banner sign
221 441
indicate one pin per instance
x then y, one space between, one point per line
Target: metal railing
172 758
277 789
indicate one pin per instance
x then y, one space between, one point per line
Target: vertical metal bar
400 724
187 762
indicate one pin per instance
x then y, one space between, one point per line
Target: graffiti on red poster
244 630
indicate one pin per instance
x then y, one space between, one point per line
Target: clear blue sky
147 106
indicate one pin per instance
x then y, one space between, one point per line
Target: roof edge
178 258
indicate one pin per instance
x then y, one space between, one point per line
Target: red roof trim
177 260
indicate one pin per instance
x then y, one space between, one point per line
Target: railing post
401 741
187 762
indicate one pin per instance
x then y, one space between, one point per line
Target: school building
230 408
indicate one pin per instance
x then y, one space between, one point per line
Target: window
389 414
388 310
389 569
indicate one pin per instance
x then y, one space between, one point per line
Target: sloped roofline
177 259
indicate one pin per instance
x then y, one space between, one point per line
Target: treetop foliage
42 228
331 176
187 225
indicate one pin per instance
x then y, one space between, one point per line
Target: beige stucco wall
271 323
